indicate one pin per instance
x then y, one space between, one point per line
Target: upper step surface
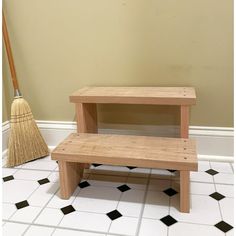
136 95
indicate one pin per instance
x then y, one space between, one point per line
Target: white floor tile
86 221
204 210
156 205
161 174
230 233
58 202
201 177
31 174
110 170
223 178
97 199
225 189
47 158
140 172
110 167
106 180
10 229
124 225
131 202
65 232
227 210
7 210
26 214
43 194
137 183
54 177
8 171
39 231
221 167
50 216
203 166
40 165
182 229
23 188
152 227
159 184
201 188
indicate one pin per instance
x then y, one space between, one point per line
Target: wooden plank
70 175
142 151
184 121
86 114
136 95
184 191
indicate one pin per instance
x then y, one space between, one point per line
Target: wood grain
128 150
136 95
184 121
70 175
86 118
184 191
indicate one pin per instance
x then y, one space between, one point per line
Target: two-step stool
141 151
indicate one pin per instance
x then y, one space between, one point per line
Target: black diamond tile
22 204
131 167
96 165
212 172
171 171
43 181
223 226
68 209
170 192
84 184
8 178
123 188
168 220
114 215
217 196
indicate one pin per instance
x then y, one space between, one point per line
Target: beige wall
60 46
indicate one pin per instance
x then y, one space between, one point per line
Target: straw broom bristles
25 142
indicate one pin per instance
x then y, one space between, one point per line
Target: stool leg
184 121
70 175
184 191
86 114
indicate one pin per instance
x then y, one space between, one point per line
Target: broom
25 142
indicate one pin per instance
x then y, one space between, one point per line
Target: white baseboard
213 143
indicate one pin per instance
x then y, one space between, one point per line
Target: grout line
181 221
196 194
55 227
143 206
141 213
216 191
70 204
121 194
40 210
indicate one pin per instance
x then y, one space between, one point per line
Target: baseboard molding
213 143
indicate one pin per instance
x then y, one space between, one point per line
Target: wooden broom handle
9 54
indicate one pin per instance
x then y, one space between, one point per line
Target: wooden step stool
140 151
125 150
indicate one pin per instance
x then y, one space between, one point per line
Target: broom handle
9 55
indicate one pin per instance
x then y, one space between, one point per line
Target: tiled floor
117 201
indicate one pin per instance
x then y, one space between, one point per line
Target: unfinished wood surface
140 151
184 121
136 95
184 191
70 175
86 114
